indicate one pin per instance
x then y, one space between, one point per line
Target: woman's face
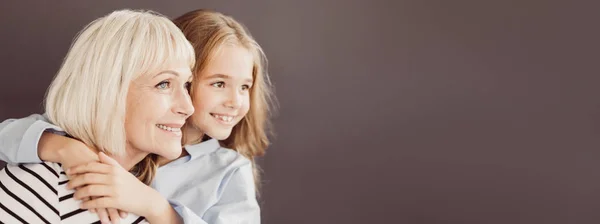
157 106
222 91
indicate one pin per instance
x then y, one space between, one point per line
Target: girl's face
221 93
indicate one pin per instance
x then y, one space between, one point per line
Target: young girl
210 182
122 89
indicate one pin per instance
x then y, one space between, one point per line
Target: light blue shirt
211 185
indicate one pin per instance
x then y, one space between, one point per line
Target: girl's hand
111 186
71 152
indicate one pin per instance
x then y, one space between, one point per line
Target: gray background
391 111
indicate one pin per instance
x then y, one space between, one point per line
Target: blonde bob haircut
87 97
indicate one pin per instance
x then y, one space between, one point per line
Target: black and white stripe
37 193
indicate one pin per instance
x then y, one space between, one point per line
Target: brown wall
391 111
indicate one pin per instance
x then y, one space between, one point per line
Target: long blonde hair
207 31
87 97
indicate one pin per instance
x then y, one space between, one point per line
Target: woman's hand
111 186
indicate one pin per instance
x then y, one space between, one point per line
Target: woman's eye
245 87
218 84
188 85
163 85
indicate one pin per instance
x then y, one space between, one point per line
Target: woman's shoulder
30 190
46 170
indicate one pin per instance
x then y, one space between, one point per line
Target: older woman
122 90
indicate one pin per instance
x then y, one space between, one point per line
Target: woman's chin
172 154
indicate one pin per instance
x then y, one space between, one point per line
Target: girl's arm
33 139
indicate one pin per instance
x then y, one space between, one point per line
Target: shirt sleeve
19 138
237 203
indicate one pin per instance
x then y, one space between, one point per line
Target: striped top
37 193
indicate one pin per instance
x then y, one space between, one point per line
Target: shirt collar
202 148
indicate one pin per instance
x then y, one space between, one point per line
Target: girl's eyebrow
223 76
218 76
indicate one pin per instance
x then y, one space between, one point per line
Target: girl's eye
245 87
218 84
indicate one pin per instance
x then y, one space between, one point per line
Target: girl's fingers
114 216
93 167
87 179
103 215
93 191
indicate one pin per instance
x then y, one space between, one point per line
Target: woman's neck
162 160
130 158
